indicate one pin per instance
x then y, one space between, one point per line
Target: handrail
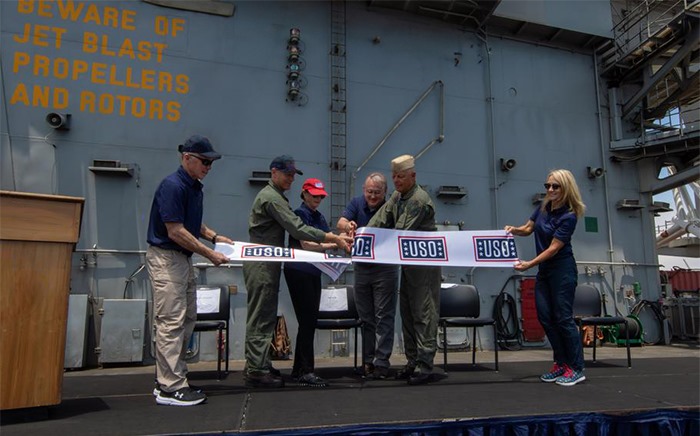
440 137
627 38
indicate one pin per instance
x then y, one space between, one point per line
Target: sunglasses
205 162
554 186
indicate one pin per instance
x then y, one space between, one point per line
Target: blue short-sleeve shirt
549 224
178 199
358 210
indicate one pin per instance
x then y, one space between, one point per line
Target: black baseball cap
200 145
285 163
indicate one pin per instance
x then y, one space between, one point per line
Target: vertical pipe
492 130
604 161
615 117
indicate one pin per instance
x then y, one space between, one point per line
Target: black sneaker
420 378
181 397
380 373
405 373
312 380
157 389
263 380
275 372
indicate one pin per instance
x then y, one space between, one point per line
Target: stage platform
118 400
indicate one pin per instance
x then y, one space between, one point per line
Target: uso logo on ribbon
494 249
423 248
363 247
267 251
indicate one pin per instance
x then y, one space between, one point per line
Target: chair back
207 309
460 301
348 311
587 301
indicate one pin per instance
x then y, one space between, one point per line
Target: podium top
26 216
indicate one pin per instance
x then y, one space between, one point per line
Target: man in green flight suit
270 217
410 208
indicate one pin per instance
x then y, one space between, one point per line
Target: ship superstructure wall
137 79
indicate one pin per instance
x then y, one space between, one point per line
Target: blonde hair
570 194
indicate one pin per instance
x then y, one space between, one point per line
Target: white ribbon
331 265
479 248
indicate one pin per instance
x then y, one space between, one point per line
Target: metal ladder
338 113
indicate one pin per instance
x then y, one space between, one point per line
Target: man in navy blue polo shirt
174 229
376 285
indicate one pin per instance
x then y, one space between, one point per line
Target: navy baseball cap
200 145
285 163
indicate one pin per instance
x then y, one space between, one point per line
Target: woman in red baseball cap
304 283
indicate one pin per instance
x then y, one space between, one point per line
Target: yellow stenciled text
88 13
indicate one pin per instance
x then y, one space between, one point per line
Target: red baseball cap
314 187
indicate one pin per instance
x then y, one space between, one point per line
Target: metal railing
647 20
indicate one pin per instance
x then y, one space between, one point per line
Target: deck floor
118 401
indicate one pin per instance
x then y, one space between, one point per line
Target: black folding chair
344 319
216 320
588 305
460 306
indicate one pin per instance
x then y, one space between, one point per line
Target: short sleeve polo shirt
178 199
558 223
358 210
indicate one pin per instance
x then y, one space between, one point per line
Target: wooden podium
37 237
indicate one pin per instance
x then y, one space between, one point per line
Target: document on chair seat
448 285
333 300
208 300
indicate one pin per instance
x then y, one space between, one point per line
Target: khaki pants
175 309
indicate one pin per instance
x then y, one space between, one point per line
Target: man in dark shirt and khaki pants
174 227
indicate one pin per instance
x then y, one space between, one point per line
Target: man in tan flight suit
410 208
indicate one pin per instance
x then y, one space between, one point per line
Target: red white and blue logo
423 248
267 252
363 247
494 249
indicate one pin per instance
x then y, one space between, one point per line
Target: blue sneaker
571 377
554 373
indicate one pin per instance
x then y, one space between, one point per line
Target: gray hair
377 178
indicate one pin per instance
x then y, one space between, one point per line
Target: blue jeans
554 296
